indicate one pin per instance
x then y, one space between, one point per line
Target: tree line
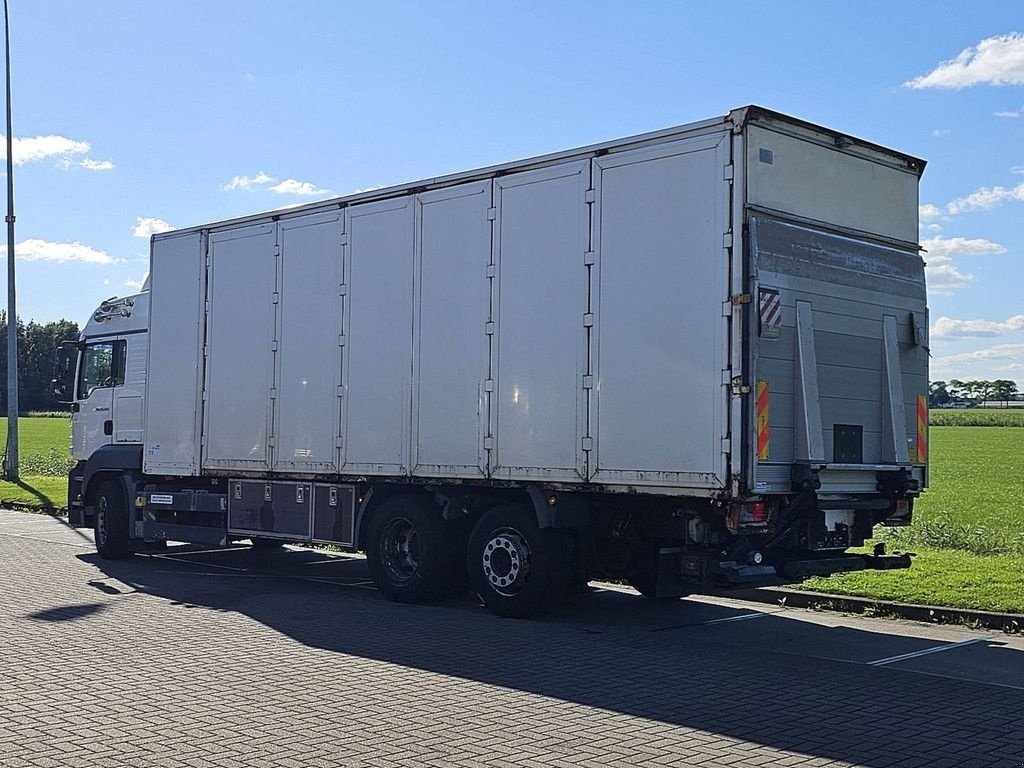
37 349
978 390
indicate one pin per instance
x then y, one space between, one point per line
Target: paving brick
152 662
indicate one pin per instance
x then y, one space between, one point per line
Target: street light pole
11 462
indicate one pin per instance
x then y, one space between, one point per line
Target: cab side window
102 366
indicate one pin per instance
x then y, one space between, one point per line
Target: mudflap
76 505
677 575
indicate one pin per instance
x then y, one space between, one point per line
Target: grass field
43 461
968 529
976 417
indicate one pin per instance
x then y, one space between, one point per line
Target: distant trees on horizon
979 390
37 349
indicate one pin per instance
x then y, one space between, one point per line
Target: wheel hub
506 561
400 549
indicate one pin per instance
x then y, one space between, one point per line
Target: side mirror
64 371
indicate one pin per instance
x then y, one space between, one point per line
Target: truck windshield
102 366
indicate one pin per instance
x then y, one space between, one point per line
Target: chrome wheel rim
506 560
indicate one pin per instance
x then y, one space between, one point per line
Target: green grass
38 434
977 485
35 491
976 417
43 462
968 528
948 578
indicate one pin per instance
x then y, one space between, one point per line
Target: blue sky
133 116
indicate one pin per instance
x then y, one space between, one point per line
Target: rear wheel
511 561
409 550
111 522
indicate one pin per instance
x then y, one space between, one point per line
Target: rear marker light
754 513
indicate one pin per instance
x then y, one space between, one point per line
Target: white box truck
687 359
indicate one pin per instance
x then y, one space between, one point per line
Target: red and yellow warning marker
763 431
922 429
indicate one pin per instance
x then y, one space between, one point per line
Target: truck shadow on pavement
754 674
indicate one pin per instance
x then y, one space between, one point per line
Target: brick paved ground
155 662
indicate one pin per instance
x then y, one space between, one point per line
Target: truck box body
688 359
691 312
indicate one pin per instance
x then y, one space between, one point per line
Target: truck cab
103 375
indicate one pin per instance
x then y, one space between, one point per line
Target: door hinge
590 196
492 214
727 240
738 387
588 443
729 173
741 298
726 445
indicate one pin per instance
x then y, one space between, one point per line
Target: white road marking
189 562
741 617
923 652
47 541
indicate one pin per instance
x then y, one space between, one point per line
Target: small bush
55 462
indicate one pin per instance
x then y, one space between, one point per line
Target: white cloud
136 285
244 182
97 165
943 275
941 133
286 187
933 228
944 278
928 211
995 60
947 327
1018 169
296 187
1010 352
147 226
946 247
43 148
1007 113
43 250
986 198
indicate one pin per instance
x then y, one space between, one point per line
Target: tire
512 562
111 522
409 550
260 544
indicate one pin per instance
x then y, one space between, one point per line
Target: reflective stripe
763 430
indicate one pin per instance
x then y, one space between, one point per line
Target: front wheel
111 522
511 561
